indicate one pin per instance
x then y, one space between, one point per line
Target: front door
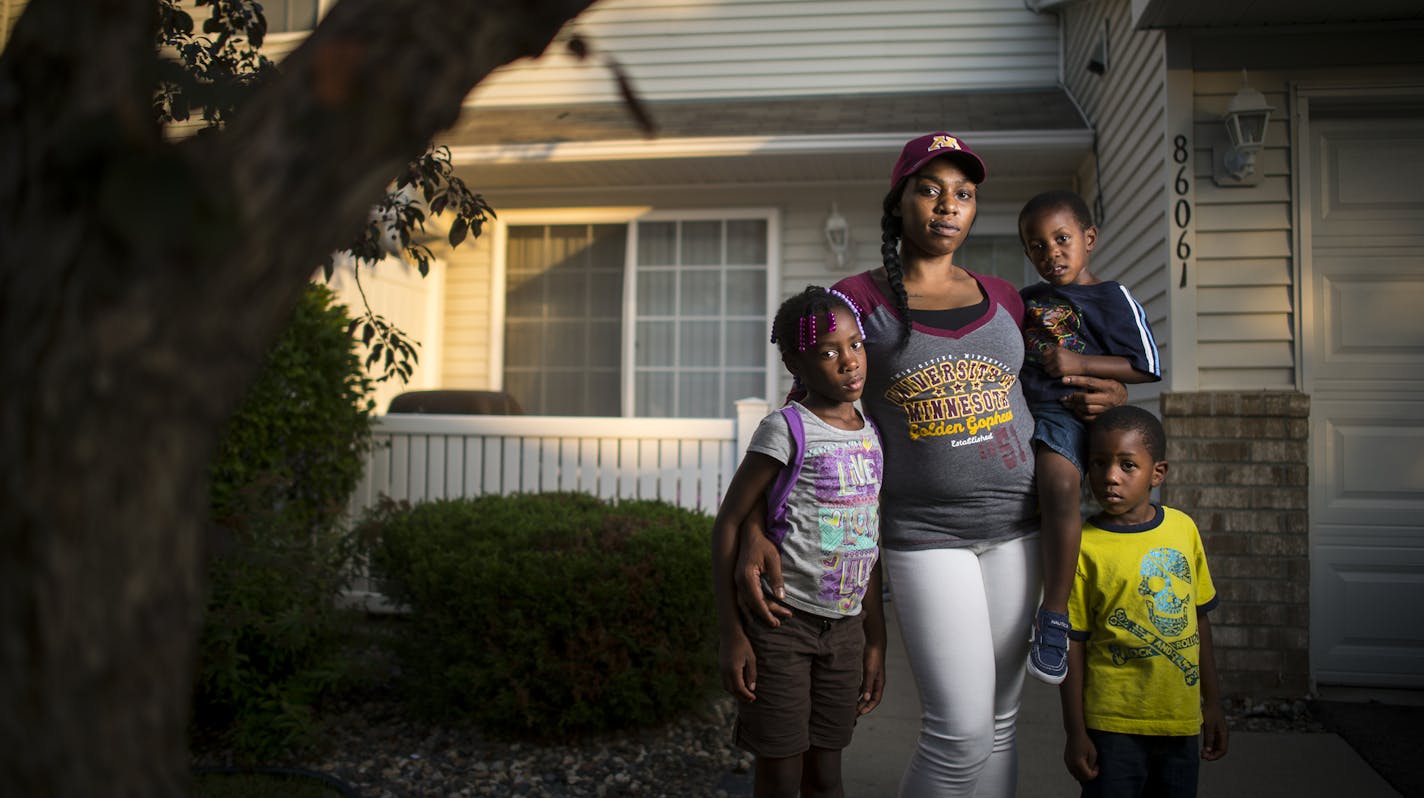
1362 196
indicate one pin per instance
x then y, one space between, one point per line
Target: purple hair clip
806 328
854 311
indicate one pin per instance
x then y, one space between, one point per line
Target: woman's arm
758 562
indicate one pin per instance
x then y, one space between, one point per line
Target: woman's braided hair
891 230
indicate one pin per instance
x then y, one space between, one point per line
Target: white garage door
1364 359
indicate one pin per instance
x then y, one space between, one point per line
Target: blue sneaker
1048 648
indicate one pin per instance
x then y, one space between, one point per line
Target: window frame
323 7
630 216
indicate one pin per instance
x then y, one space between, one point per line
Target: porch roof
1028 132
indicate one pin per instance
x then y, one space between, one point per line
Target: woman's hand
1094 396
758 561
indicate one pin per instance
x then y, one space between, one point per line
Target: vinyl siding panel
466 325
1249 243
1127 107
746 48
9 14
1243 327
1240 217
1233 272
1261 355
1245 297
1242 300
1243 379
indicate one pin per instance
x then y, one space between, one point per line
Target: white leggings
964 617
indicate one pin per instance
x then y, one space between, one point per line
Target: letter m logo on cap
941 142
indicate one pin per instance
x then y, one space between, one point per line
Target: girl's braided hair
794 328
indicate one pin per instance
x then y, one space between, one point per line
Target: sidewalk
1259 765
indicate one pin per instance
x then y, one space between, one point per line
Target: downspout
1052 6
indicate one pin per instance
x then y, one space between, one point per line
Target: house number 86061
1182 209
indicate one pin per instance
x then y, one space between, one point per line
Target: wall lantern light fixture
1234 162
838 237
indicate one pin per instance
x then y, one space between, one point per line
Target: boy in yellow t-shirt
1142 680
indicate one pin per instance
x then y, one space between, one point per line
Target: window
658 317
290 16
1001 256
701 314
563 321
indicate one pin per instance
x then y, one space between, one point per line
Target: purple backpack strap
776 526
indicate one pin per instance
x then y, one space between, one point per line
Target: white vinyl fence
416 458
687 462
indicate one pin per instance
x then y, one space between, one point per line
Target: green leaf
458 229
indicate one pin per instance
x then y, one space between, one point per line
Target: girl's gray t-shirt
832 511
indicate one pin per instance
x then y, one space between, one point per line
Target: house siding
681 49
1127 107
9 13
466 331
1243 246
1247 271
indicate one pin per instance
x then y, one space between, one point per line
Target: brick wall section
1238 466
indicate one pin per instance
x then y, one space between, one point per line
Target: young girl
1074 324
801 684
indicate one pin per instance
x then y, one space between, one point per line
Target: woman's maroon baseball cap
930 146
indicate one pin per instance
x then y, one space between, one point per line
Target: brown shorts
809 671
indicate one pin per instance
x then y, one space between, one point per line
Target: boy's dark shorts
809 671
1058 429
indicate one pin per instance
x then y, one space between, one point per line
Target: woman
959 530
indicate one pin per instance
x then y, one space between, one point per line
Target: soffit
1037 133
1269 13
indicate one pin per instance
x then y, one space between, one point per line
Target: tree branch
356 102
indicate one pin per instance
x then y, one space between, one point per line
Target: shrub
286 465
550 615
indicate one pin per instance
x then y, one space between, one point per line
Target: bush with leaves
552 615
288 461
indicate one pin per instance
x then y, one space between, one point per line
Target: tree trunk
140 283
